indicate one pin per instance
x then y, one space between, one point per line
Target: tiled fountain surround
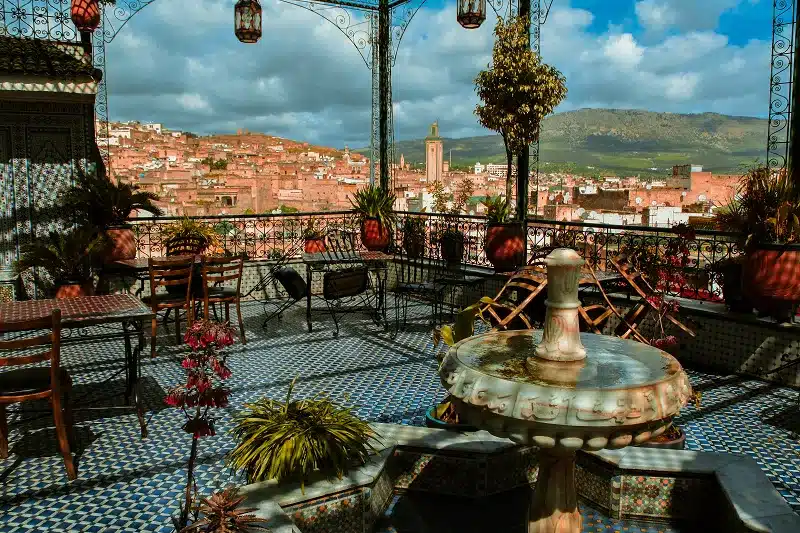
632 483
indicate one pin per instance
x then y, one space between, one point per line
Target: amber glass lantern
247 21
471 13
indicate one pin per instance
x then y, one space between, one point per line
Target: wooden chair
218 270
27 384
514 298
637 314
175 275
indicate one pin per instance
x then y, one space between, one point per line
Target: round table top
621 389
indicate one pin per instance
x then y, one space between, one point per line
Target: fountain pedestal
563 391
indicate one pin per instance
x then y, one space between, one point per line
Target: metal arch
343 22
38 19
780 84
116 15
400 19
101 100
504 8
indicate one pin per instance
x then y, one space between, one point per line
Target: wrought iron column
384 53
793 155
523 174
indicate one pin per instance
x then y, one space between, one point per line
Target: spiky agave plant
99 202
374 202
221 514
292 439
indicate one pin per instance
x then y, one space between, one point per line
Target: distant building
479 168
434 155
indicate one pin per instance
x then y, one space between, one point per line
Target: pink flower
175 398
189 363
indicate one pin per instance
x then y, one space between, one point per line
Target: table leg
133 371
383 281
308 297
554 504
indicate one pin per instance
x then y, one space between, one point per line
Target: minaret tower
434 155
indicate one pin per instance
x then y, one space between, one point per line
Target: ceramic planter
374 236
452 243
85 14
315 246
505 246
432 422
678 443
68 289
414 245
732 288
772 278
123 244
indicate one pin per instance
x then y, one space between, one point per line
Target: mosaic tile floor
424 513
126 484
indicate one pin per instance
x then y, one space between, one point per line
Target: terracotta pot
73 290
314 246
678 443
505 246
123 244
374 236
771 277
85 14
452 247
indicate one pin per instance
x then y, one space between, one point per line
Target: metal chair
415 276
36 383
176 274
339 285
219 270
295 287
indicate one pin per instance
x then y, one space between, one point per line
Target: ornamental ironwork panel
780 91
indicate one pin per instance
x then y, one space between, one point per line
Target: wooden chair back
510 311
217 270
171 272
52 340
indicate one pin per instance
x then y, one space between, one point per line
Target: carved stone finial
561 337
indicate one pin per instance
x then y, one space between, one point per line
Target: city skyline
304 79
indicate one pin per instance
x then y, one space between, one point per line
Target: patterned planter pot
123 244
85 14
452 247
374 236
73 290
772 275
505 246
678 443
432 422
315 246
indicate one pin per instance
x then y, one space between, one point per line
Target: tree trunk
189 482
509 178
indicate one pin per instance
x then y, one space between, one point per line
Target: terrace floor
126 484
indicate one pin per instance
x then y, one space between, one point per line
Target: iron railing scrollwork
780 84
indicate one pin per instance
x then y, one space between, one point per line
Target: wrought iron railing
271 236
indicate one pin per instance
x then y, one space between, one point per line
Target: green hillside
622 142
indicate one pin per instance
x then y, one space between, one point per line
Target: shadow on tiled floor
127 484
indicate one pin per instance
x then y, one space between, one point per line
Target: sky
182 66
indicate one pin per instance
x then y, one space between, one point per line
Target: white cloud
305 80
685 15
655 15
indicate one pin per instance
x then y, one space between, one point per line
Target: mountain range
619 141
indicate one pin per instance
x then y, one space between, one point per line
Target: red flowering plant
206 367
664 267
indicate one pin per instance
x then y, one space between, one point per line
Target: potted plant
314 237
414 230
673 438
222 514
375 210
69 259
767 211
188 237
451 238
505 240
98 202
294 439
729 273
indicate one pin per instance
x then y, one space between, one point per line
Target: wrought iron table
374 261
85 311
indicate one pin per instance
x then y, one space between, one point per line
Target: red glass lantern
85 14
471 13
247 21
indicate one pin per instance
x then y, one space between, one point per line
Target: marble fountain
563 391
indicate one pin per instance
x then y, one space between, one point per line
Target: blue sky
304 80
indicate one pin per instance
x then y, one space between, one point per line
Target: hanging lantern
85 15
471 13
247 21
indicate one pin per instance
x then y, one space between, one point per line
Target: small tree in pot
375 210
96 201
767 211
517 91
505 240
68 258
314 237
414 229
